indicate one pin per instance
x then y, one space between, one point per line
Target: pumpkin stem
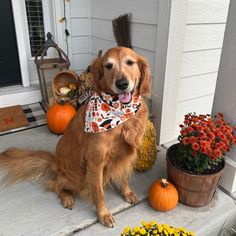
61 102
164 182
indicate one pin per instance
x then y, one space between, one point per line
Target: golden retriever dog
86 161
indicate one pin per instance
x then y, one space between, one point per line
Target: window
34 11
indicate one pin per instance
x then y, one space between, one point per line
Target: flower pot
193 190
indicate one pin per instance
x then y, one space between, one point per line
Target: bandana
106 112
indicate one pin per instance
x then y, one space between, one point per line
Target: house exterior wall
79 40
143 25
225 94
91 31
90 27
204 32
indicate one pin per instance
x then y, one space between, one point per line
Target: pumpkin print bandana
106 112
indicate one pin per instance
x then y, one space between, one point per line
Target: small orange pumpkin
163 195
58 117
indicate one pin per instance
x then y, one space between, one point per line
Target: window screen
34 10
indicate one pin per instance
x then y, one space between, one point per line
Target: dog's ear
97 69
145 80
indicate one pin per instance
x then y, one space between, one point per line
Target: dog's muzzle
122 84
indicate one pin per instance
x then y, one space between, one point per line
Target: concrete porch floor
27 209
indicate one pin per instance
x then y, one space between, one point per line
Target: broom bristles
121 30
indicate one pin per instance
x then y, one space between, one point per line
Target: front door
9 61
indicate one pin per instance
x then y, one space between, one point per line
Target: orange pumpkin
163 195
58 117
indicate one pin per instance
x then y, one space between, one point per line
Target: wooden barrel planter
193 190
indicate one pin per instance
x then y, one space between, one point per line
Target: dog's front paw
68 202
131 197
106 219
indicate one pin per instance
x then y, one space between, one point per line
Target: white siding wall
205 25
90 26
143 26
79 39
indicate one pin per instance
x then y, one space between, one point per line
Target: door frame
28 92
21 40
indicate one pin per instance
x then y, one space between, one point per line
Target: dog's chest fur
116 147
125 140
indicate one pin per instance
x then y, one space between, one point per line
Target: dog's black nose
122 84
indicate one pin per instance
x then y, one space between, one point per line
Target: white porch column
225 94
172 16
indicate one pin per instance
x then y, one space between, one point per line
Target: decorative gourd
58 117
163 195
64 90
147 152
72 86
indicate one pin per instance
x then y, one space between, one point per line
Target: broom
121 30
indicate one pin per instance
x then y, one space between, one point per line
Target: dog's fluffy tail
26 165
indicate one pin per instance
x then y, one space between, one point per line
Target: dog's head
122 72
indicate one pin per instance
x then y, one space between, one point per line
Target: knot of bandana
106 112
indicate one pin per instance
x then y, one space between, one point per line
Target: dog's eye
129 62
109 66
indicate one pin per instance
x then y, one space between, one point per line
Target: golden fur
85 162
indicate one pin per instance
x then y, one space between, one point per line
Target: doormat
11 118
35 117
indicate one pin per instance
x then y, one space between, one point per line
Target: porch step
17 89
30 205
19 95
205 221
35 211
216 219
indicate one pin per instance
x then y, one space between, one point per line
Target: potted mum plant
196 163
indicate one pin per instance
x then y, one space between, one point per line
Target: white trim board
20 98
57 6
21 41
228 180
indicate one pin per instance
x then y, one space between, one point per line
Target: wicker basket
63 79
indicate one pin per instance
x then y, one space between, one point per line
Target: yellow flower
160 228
142 231
126 230
153 228
165 226
190 233
136 229
166 232
146 225
154 231
183 230
171 231
153 223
